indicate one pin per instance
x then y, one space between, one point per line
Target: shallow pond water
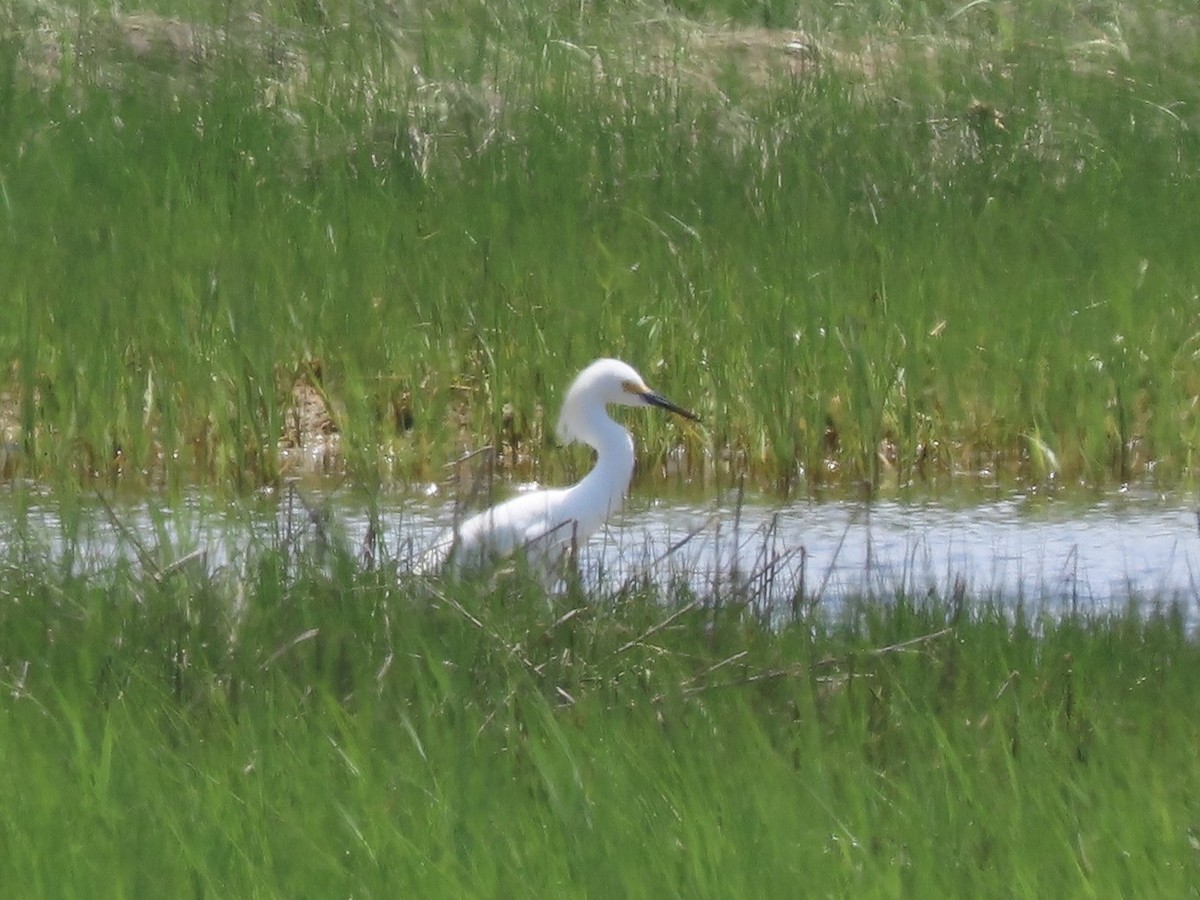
1050 553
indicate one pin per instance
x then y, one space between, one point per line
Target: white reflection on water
1050 553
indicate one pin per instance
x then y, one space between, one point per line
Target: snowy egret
548 522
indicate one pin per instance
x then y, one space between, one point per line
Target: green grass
302 727
949 242
954 239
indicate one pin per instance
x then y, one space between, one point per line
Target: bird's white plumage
548 522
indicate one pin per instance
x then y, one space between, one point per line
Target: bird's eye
632 387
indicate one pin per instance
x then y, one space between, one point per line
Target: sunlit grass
299 724
922 240
946 243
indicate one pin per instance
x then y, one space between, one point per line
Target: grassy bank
313 728
887 247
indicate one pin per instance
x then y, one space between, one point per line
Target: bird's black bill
663 403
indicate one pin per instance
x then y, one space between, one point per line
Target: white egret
548 522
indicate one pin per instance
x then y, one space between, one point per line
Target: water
1053 554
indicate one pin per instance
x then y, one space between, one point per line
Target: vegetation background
880 243
873 242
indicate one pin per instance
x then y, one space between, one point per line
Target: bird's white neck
606 485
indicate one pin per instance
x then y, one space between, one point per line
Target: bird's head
603 382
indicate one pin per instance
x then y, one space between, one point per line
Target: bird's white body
546 523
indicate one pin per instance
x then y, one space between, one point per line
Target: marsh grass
898 246
870 243
298 724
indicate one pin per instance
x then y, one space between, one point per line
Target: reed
924 243
297 723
